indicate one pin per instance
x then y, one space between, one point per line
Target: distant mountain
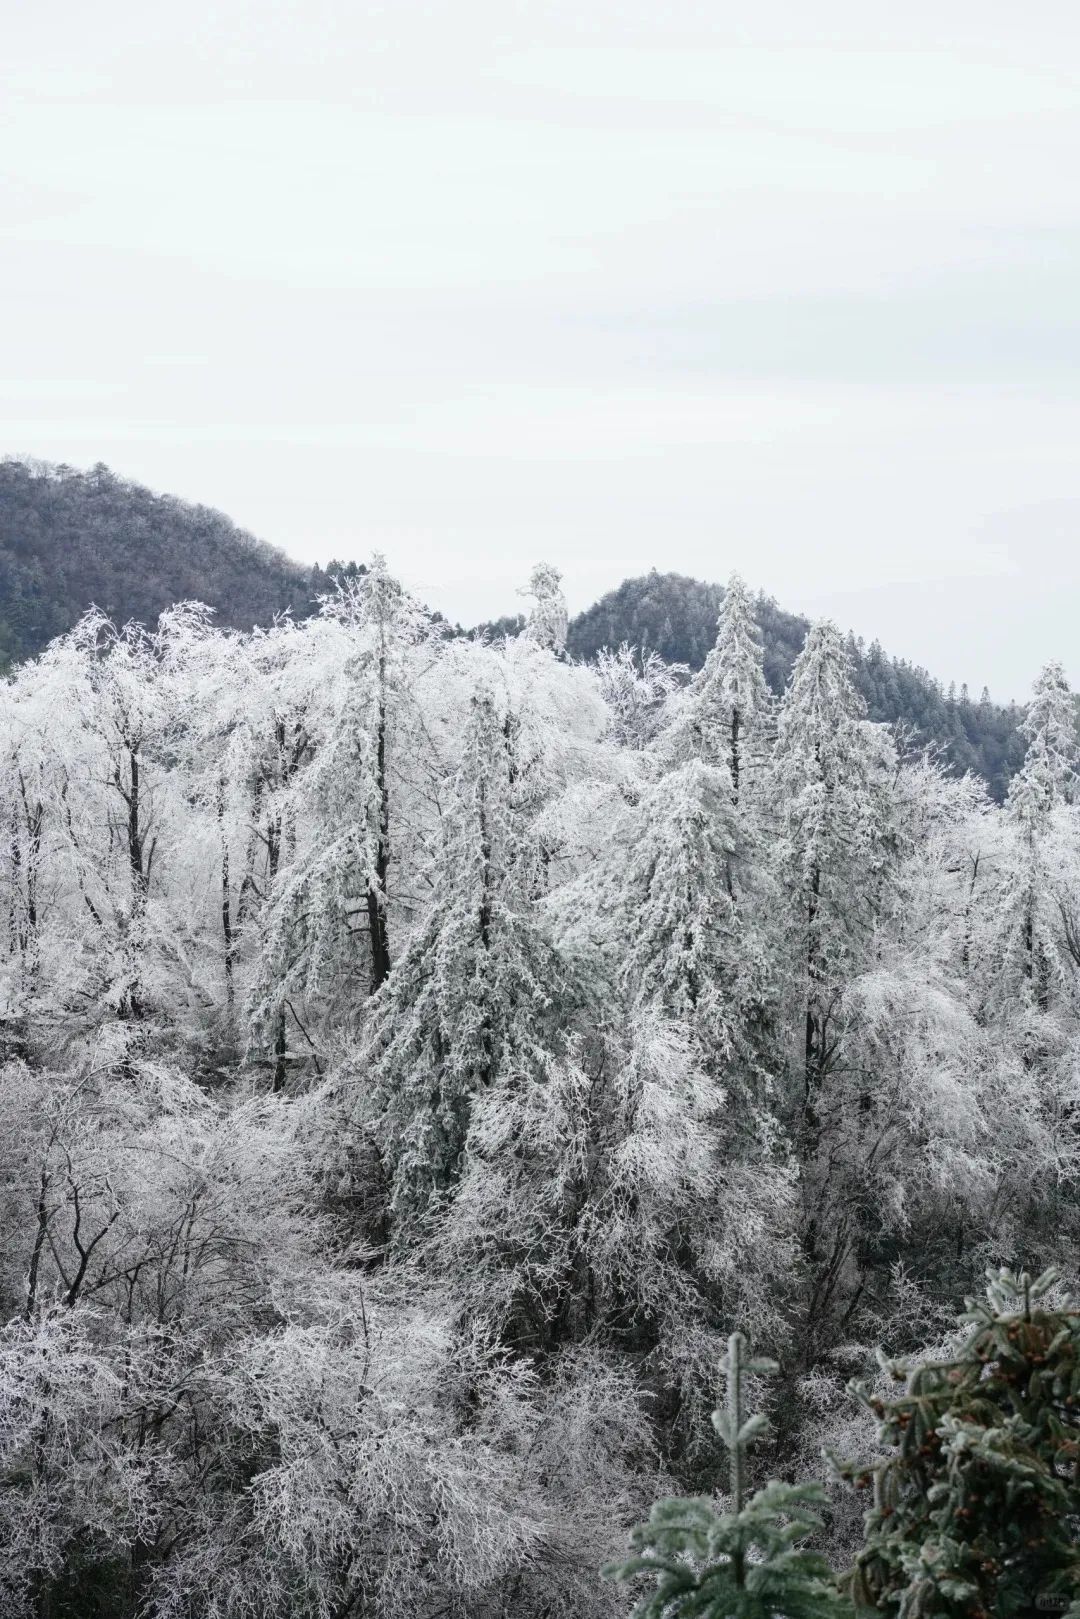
71 539
676 617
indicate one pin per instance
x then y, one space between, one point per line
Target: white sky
785 287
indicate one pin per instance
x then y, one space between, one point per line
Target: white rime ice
418 1054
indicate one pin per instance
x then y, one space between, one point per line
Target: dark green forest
72 539
675 616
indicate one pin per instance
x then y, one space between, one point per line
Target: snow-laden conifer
327 932
831 772
682 947
547 620
1037 865
726 706
477 994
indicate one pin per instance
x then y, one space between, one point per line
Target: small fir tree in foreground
976 1510
747 1563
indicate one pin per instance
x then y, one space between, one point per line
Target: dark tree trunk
280 1060
376 894
226 911
813 1053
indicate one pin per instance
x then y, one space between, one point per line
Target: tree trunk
813 980
226 913
376 895
280 1061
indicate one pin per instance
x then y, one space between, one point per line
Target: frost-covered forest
419 1054
70 539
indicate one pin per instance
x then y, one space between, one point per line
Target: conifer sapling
746 1563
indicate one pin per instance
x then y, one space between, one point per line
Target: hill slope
676 617
70 539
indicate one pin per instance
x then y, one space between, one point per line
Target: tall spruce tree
831 793
728 701
1047 777
477 992
1028 941
831 769
672 908
547 620
326 933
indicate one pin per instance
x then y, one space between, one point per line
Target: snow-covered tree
547 621
477 993
636 690
1048 775
727 703
418 1053
682 946
326 932
831 771
1033 902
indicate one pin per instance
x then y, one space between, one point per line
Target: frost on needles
419 1054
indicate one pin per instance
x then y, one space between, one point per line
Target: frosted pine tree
477 993
1041 840
831 770
721 723
1048 776
327 932
674 921
728 700
832 775
547 620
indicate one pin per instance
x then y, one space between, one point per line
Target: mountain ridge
70 539
675 616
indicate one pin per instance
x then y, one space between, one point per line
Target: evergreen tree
745 1563
975 1508
476 992
728 699
830 769
832 779
680 927
547 617
1047 777
328 927
1026 943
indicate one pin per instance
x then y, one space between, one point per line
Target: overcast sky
786 287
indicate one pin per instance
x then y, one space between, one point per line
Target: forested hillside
419 1053
70 540
675 617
